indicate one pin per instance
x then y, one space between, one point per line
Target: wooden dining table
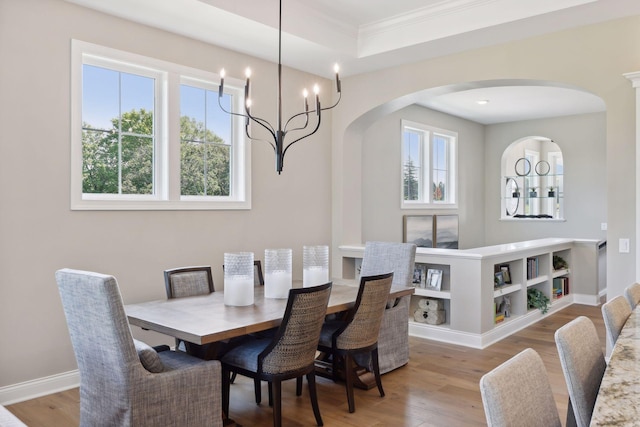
618 402
206 319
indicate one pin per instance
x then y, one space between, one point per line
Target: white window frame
425 200
166 178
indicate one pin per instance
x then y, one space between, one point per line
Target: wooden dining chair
632 293
289 354
358 333
518 393
615 312
583 366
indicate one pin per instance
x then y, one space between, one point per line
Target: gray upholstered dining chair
124 382
358 333
289 354
615 312
518 393
399 259
632 293
583 366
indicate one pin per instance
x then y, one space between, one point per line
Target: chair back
99 332
258 278
615 313
518 393
363 323
388 257
188 281
295 343
632 293
583 366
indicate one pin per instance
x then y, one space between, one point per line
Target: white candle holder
277 273
315 265
238 279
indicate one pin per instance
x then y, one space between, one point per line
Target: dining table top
204 319
618 402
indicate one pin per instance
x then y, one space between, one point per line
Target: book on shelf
560 286
532 268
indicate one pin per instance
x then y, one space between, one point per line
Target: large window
147 134
428 167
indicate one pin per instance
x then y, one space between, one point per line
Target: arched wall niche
532 172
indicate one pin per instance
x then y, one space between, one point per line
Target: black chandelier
278 134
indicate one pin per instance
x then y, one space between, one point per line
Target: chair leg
257 390
226 386
299 386
270 393
348 377
311 379
376 370
277 404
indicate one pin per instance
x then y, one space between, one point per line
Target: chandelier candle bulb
277 278
221 87
238 279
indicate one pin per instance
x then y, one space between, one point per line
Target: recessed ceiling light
483 101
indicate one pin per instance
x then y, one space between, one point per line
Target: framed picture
498 279
418 229
419 275
506 273
434 279
446 231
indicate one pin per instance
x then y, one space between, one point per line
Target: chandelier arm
337 102
304 136
258 139
306 123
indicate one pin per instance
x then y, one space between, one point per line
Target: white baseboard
587 299
39 387
499 332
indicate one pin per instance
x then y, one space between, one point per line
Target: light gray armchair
399 259
127 383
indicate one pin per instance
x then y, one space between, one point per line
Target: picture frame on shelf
419 276
506 274
433 279
498 280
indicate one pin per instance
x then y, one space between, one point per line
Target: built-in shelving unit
471 295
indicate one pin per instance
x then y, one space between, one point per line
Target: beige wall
582 139
381 176
38 232
593 58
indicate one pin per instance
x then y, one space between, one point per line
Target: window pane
137 165
100 97
100 162
118 160
439 186
412 165
137 92
440 168
205 134
439 152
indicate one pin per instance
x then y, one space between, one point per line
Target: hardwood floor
439 387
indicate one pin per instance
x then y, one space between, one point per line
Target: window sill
157 205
